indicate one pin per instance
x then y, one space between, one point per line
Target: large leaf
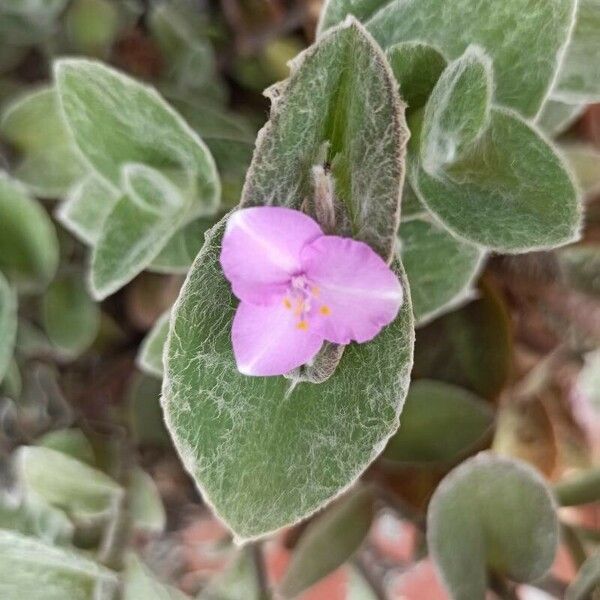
50 162
579 79
71 318
440 422
28 243
115 120
440 268
510 192
8 325
265 452
525 39
494 514
67 483
339 107
37 571
329 542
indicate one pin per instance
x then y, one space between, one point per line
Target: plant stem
574 545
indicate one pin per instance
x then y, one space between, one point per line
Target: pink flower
299 287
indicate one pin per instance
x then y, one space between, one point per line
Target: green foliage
145 505
587 580
524 71
505 519
441 269
8 325
140 584
37 571
150 356
329 541
28 244
440 423
49 163
71 319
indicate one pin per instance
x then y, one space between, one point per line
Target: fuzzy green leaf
144 502
579 78
339 106
71 318
71 442
34 570
137 229
510 192
585 162
581 266
115 120
28 243
457 111
440 423
86 207
67 483
556 116
440 268
248 440
505 518
525 40
8 325
150 356
238 581
329 542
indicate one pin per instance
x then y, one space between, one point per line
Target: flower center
300 297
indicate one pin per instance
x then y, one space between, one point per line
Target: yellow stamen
287 303
299 308
325 310
303 325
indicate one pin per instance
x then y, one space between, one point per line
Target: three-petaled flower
299 287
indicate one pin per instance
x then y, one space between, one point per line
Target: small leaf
511 192
340 106
585 162
50 163
137 229
145 415
34 517
440 268
239 580
92 26
67 483
440 423
417 67
556 116
587 580
505 30
140 583
71 318
329 541
470 347
150 356
579 78
581 266
179 253
457 111
71 442
115 120
28 243
34 570
505 519
281 437
86 208
144 502
8 325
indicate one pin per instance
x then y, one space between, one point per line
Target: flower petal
356 293
261 250
267 340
